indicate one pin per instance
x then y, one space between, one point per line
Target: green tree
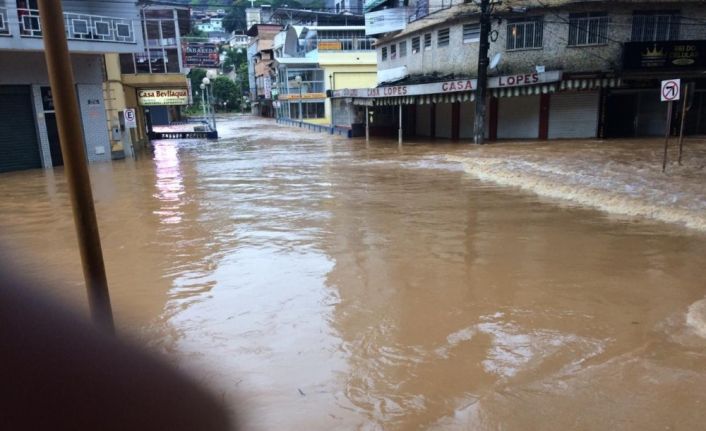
225 90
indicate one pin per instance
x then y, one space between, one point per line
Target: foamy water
696 318
619 177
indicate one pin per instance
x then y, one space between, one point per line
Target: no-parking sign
671 90
130 120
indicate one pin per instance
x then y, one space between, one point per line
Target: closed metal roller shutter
468 118
19 148
423 120
443 120
573 115
518 117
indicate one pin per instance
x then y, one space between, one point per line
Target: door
53 136
621 110
573 115
19 147
518 117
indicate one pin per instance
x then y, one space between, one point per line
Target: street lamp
298 81
205 82
203 98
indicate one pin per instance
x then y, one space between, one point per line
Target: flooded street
315 283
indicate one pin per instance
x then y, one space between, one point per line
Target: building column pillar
432 121
544 116
493 119
455 120
41 126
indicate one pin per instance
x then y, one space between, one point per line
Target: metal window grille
384 53
4 28
525 33
403 48
588 29
655 26
415 45
442 37
393 52
471 33
427 41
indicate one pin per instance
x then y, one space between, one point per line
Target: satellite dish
496 60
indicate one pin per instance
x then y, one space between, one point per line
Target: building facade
324 58
261 68
560 69
28 130
153 81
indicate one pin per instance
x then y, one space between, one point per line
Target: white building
28 128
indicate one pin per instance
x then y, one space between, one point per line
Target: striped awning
523 91
423 99
590 84
532 90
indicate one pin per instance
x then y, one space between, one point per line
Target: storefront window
311 110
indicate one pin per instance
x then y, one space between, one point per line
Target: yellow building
311 61
152 83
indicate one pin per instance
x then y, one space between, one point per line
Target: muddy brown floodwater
317 284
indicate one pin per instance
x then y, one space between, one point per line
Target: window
655 26
442 37
309 110
403 49
427 41
384 53
525 33
312 81
471 33
415 45
393 52
588 28
338 40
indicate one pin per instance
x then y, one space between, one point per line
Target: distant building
239 41
325 58
342 6
211 25
153 81
260 67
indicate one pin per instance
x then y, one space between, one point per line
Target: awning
523 91
590 84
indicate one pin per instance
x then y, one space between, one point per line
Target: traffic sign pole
666 135
683 121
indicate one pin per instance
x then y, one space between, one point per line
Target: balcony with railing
80 26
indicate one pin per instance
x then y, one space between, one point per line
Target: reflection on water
318 284
169 185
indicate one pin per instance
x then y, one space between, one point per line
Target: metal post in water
666 135
56 52
483 48
399 137
683 121
367 125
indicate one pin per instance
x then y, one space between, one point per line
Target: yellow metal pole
56 52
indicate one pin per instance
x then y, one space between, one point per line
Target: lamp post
298 81
205 82
203 98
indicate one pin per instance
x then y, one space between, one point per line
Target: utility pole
482 90
61 78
